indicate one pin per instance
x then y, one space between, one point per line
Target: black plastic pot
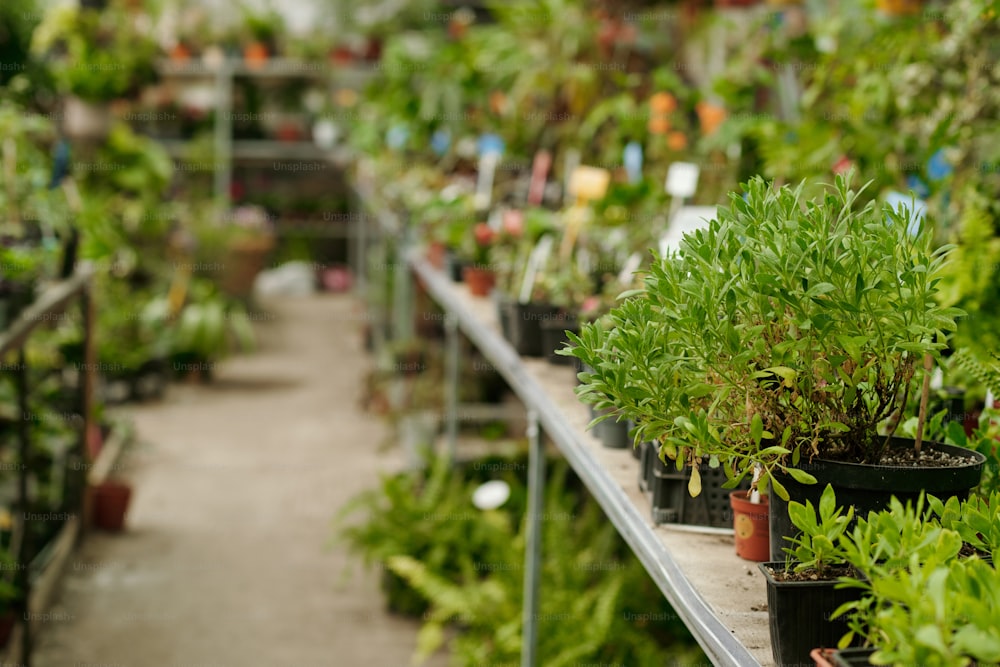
853 657
799 615
647 454
526 327
673 504
612 433
505 313
554 337
869 487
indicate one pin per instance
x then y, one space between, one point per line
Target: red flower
842 165
484 234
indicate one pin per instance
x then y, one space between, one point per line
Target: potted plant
95 56
111 501
802 592
794 330
478 274
262 30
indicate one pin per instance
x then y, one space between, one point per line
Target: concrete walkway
225 562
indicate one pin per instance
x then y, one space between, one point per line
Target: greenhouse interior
551 333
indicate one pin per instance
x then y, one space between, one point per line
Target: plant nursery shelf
47 307
275 68
720 597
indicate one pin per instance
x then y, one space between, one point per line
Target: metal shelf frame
715 638
50 304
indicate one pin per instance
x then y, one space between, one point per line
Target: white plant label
569 166
682 179
484 186
539 256
631 266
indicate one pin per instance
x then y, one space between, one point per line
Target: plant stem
924 394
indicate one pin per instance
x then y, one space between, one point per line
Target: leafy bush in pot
785 328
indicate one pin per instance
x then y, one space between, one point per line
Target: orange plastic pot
750 524
479 280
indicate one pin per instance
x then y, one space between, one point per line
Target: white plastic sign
536 261
682 179
688 219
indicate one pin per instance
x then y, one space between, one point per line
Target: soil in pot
943 471
750 527
554 337
479 280
799 611
111 501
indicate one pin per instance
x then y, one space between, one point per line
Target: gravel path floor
226 560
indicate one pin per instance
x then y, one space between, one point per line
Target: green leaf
801 476
756 428
694 484
780 490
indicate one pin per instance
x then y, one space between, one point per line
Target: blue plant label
917 209
632 159
441 142
938 166
490 143
397 137
918 187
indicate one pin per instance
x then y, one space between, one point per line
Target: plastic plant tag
589 183
570 164
632 159
632 265
397 136
491 495
917 209
938 166
484 186
495 220
539 255
441 142
682 179
687 219
489 143
539 173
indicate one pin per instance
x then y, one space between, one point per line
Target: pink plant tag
539 173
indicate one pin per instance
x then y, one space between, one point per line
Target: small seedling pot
750 526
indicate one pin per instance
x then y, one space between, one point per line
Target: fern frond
987 374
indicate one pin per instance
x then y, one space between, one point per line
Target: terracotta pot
899 7
111 500
256 55
750 523
7 621
480 281
822 657
437 254
180 53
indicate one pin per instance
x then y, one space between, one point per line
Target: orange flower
710 116
676 141
658 125
662 103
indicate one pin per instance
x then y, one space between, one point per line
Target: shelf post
21 521
451 383
533 545
223 136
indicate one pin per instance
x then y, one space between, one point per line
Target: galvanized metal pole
451 383
533 545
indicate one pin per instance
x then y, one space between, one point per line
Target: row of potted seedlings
781 345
